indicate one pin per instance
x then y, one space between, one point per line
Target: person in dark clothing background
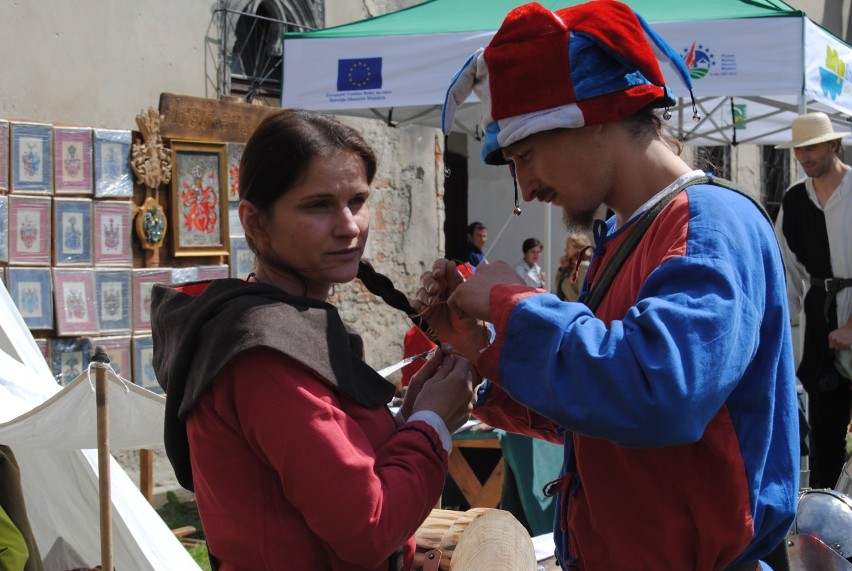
471 251
814 227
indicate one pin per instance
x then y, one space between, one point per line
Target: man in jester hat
671 382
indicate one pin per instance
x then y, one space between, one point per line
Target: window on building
774 177
250 41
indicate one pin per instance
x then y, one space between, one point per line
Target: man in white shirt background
814 228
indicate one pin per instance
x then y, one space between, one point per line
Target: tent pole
100 362
803 108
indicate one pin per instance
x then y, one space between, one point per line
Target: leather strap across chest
601 285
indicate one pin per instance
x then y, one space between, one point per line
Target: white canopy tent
51 430
755 65
763 56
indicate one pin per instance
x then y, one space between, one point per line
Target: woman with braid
272 416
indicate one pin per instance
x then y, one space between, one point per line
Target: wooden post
146 474
101 359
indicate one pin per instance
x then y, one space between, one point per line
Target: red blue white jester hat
583 65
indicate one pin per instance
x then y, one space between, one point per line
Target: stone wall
406 234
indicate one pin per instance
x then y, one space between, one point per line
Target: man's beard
578 220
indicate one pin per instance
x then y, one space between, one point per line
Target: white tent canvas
754 64
51 431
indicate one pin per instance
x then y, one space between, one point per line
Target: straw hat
810 129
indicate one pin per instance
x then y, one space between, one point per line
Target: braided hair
383 287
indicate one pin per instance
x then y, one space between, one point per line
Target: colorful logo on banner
832 76
359 74
740 115
699 60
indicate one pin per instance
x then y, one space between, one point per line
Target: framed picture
70 358
235 226
184 275
45 345
74 297
235 153
113 178
4 228
72 160
113 230
118 350
242 259
112 292
30 289
29 230
213 272
32 159
4 155
72 240
143 281
143 364
199 205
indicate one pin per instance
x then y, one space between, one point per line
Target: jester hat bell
587 64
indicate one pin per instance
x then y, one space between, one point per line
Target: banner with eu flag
359 74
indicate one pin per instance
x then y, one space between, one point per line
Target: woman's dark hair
530 243
280 151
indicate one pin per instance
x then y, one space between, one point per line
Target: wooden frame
199 204
112 292
143 367
70 358
143 281
112 175
74 298
29 230
477 493
32 291
32 158
72 223
113 230
72 160
4 155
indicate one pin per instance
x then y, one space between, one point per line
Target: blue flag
358 74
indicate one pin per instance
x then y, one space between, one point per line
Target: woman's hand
448 392
419 378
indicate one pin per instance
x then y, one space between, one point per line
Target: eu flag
358 74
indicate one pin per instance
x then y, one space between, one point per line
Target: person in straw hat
671 383
814 227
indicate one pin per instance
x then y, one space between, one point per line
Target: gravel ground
164 476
